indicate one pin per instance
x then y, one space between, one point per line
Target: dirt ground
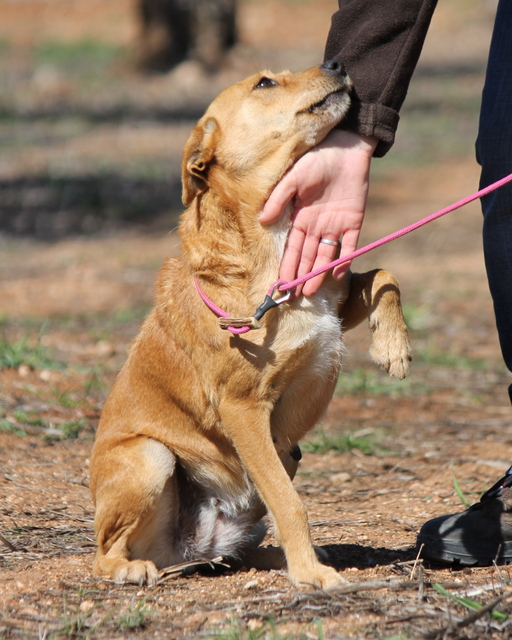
388 455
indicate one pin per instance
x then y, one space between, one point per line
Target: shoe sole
452 552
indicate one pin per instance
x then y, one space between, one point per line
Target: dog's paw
391 350
140 572
317 576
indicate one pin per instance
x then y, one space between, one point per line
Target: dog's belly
216 518
234 493
196 512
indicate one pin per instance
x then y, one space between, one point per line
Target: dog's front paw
120 570
317 576
140 572
391 350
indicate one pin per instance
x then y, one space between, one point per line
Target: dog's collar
243 325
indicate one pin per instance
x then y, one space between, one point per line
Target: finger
348 245
292 257
326 253
278 200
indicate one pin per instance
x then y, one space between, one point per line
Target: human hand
328 187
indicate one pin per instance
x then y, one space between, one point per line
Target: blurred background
97 99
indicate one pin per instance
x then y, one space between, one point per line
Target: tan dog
198 437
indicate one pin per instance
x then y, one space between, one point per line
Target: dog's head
259 127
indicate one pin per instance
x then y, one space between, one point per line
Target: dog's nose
333 67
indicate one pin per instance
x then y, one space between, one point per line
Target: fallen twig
8 544
418 559
465 622
177 569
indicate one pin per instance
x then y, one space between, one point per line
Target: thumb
281 196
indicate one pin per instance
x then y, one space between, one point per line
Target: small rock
254 624
86 605
104 348
252 584
341 478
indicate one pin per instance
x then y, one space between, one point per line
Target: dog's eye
266 82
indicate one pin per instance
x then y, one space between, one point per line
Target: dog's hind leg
135 489
375 295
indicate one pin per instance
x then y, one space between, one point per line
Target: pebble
252 584
86 605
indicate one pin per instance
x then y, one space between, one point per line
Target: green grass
418 317
6 426
369 382
4 46
434 355
67 430
81 625
321 441
15 353
472 605
135 618
103 326
72 429
67 399
88 57
269 630
457 488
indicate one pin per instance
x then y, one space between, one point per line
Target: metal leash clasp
270 302
285 296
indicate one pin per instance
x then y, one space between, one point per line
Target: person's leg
494 153
483 533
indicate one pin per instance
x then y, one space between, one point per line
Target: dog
199 436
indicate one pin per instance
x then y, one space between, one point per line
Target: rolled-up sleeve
379 42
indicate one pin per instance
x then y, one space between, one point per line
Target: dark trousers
494 153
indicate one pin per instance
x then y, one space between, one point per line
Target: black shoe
478 536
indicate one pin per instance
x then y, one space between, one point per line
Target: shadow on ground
49 208
344 556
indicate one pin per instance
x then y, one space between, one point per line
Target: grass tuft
88 57
365 382
472 605
458 490
432 355
321 441
22 352
136 617
7 426
268 630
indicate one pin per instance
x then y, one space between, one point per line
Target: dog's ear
198 154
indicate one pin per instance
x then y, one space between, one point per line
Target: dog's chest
311 329
308 324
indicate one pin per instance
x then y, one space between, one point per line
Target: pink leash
280 285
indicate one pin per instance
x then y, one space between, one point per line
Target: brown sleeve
379 42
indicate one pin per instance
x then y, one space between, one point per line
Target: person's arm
379 41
